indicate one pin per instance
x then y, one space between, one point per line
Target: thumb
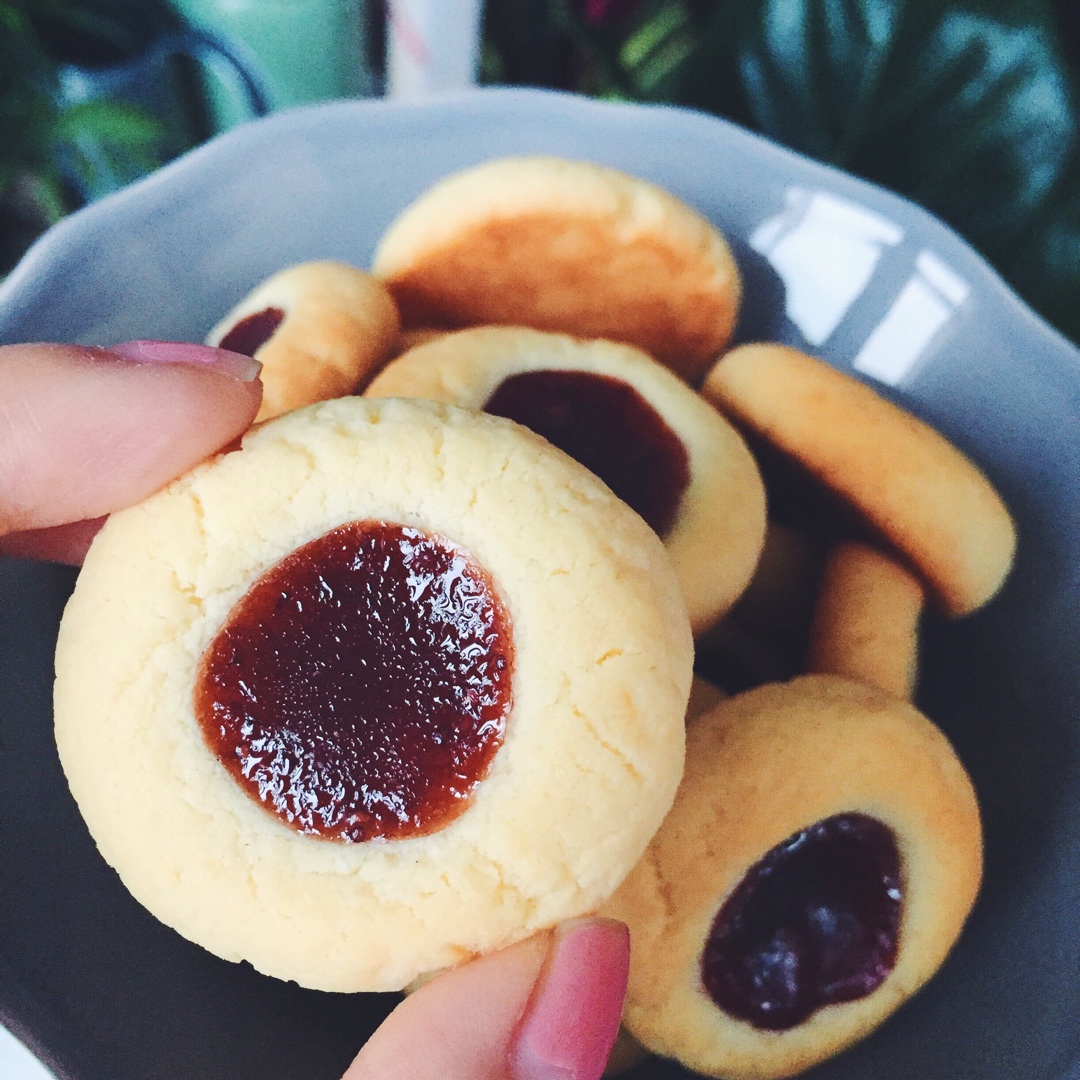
86 431
547 1008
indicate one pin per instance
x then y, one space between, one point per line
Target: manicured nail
236 365
573 1015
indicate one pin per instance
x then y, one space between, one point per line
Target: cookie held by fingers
662 449
914 489
313 698
320 330
565 246
821 858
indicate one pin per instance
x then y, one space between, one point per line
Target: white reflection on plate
17 1063
921 308
817 230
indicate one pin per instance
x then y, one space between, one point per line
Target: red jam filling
252 332
606 425
814 923
359 689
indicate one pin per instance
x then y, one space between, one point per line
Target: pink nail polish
236 365
573 1015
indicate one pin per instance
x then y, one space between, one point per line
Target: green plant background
969 108
60 149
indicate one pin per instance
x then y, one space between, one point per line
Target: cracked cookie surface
593 745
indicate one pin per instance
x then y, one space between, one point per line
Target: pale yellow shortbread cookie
593 746
761 768
866 620
567 246
719 522
921 495
328 327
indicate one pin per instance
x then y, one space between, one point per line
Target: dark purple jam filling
606 425
814 923
253 331
360 688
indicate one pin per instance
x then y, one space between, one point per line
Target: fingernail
236 365
573 1014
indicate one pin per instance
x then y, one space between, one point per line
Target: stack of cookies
407 677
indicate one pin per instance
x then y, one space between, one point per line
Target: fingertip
547 1008
85 431
67 544
234 365
573 1015
459 1025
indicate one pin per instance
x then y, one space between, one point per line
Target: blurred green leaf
27 109
1047 268
970 108
658 49
54 155
105 144
965 108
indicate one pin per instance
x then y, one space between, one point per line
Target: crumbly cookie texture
918 491
567 246
339 326
719 526
593 749
761 767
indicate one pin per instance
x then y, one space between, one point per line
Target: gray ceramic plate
103 992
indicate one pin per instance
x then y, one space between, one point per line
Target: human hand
84 432
547 1008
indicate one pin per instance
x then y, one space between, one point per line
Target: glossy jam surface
252 332
814 923
359 689
605 424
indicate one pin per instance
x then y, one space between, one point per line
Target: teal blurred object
299 51
124 120
93 95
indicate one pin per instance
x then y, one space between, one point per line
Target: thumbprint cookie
653 440
391 685
566 246
821 858
319 329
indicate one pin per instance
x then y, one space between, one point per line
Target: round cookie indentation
605 424
253 331
718 524
594 735
360 688
814 922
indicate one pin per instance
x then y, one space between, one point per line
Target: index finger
86 431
